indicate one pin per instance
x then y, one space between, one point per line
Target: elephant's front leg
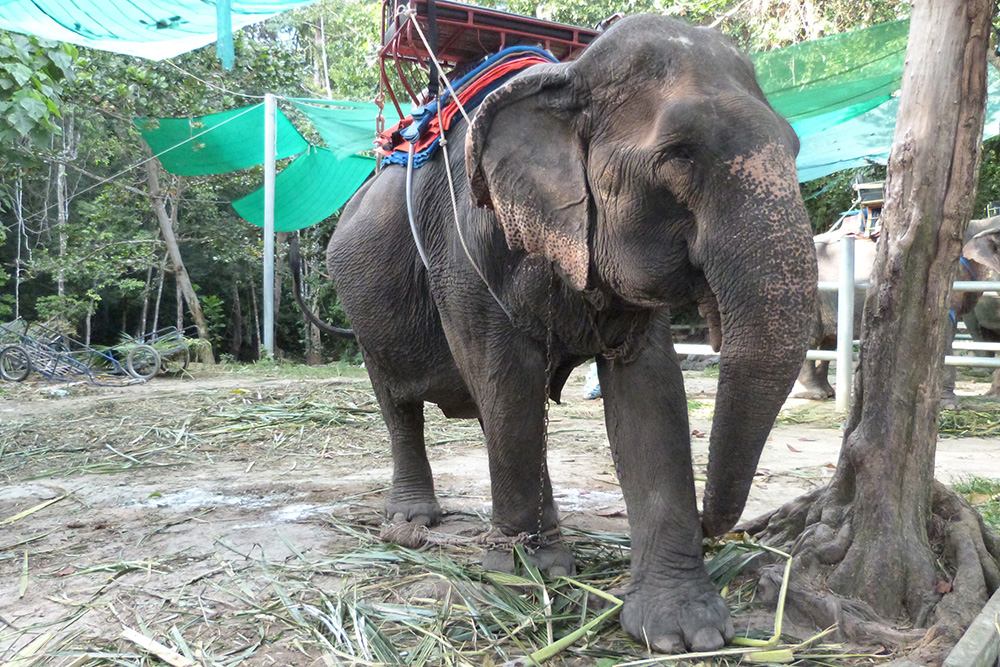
511 398
671 604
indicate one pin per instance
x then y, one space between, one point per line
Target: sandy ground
155 506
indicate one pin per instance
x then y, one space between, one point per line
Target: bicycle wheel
143 362
15 364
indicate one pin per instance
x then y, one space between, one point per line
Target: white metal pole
270 151
845 325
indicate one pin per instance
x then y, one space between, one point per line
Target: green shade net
154 29
186 146
346 127
835 73
309 190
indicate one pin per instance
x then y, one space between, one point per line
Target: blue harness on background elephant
422 129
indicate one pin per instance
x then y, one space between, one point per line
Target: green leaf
63 61
35 108
21 121
21 72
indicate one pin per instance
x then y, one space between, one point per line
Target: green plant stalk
779 612
546 652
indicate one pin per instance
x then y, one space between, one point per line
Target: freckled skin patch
768 173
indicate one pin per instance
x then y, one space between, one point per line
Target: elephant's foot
677 616
552 557
418 512
949 401
811 393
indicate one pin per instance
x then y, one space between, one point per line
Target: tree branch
132 189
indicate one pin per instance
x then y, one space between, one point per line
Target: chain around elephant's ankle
496 539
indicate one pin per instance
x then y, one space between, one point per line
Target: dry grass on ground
232 518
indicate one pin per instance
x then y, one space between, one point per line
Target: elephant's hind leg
412 496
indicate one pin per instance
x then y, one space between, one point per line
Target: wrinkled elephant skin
591 197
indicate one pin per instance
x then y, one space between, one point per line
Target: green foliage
989 177
65 308
215 315
32 74
984 494
830 197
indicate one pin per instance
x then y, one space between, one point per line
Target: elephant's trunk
761 266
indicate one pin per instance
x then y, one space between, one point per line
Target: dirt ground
179 508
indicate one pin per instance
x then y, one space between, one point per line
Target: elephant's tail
295 261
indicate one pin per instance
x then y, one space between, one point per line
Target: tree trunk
159 292
179 303
237 322
889 446
68 152
280 242
61 219
257 329
90 315
876 532
167 222
145 302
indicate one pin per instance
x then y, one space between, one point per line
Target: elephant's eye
683 153
678 153
678 167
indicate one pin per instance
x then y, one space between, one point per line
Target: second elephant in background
980 257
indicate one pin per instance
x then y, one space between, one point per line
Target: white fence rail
844 355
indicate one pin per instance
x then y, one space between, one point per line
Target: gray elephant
591 197
980 256
983 322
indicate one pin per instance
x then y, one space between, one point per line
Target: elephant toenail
668 644
707 639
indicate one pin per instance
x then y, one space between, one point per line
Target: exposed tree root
817 530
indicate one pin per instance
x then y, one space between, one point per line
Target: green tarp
834 73
346 127
868 138
185 146
309 190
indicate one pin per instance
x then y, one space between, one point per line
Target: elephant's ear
984 248
525 160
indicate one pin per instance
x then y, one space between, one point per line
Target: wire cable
212 85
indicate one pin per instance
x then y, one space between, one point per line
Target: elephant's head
982 243
652 168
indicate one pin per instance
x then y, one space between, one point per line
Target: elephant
983 321
980 257
591 197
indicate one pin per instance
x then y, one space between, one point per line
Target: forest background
85 223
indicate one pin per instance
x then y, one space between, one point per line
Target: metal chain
549 362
